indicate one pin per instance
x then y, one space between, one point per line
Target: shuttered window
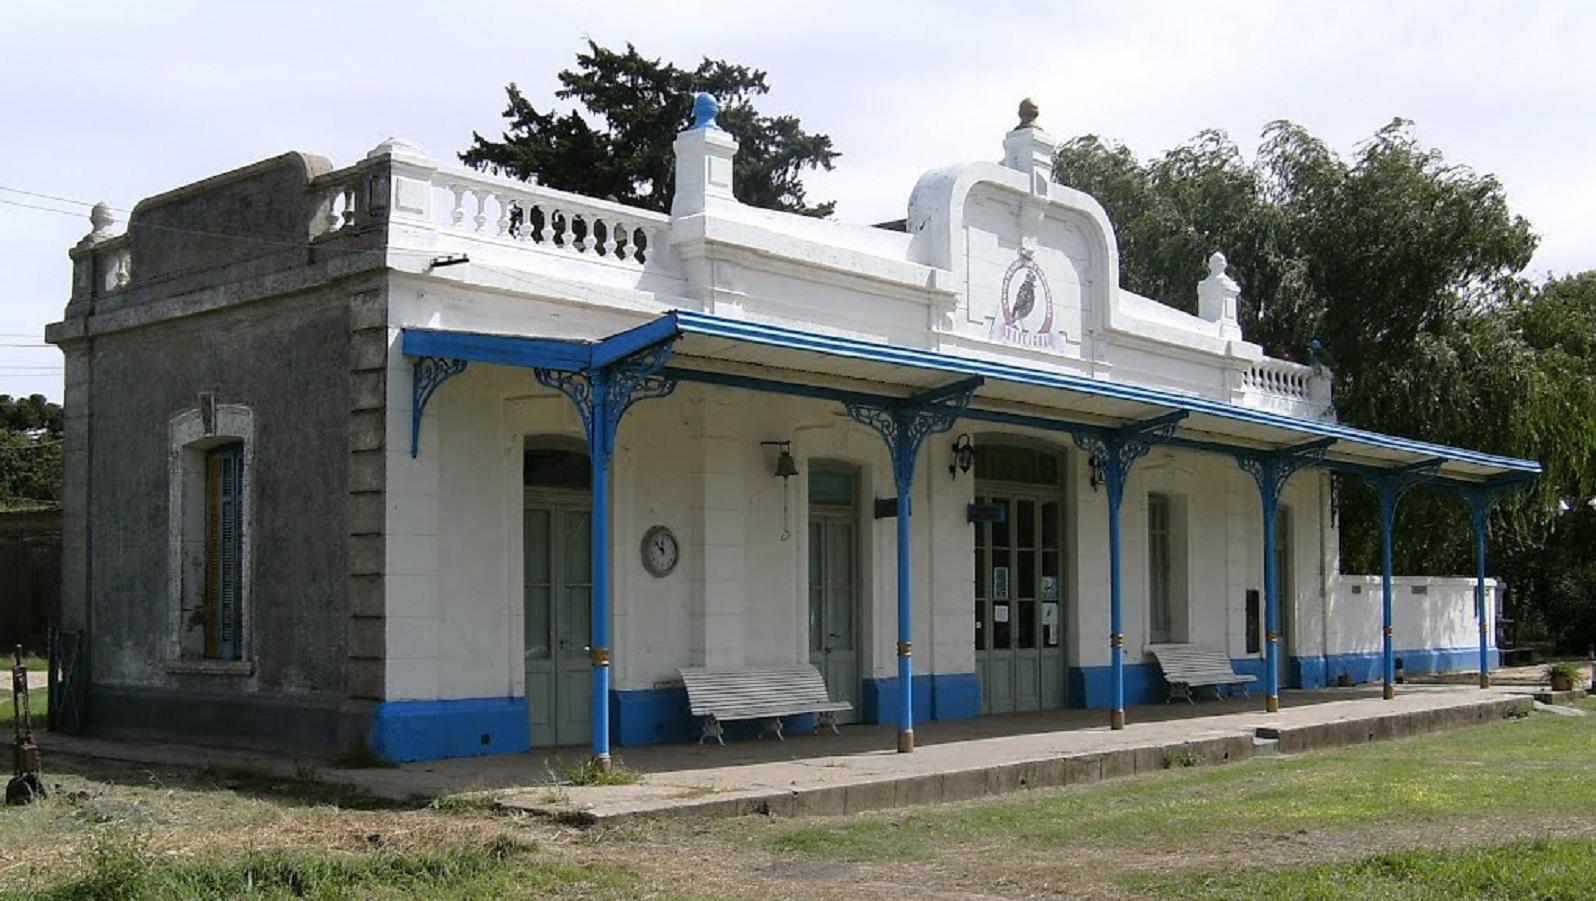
224 552
1158 565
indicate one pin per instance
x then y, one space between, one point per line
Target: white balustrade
1279 378
547 219
492 207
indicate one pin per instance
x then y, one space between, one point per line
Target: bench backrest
1179 660
753 688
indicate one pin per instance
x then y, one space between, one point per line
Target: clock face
660 551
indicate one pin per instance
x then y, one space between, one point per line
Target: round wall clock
660 551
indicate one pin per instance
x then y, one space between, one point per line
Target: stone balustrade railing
466 202
1280 378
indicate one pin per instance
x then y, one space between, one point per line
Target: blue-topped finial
705 109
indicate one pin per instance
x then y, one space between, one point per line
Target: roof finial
101 220
1028 113
705 109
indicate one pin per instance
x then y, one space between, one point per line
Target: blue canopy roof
766 357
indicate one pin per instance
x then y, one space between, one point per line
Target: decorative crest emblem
1026 305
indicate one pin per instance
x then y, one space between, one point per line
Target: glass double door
557 593
1019 602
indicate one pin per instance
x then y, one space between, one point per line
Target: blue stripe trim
778 336
470 727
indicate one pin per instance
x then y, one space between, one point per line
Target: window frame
192 435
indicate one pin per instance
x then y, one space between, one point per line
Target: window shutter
213 548
231 619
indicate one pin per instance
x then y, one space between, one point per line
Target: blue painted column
1116 452
601 450
1115 477
1478 514
602 396
904 425
1388 653
1389 486
905 618
1271 471
1481 497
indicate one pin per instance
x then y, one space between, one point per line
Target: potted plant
1562 675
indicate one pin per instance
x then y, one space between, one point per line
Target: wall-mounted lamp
1097 476
963 456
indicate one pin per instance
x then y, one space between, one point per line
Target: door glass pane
577 540
1025 569
832 487
535 539
537 622
552 468
574 620
839 562
817 587
980 625
1025 523
1000 529
1025 635
1050 525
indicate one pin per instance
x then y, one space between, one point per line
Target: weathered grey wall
287 360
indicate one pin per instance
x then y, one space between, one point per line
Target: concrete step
953 777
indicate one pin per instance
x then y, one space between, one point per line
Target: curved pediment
1035 263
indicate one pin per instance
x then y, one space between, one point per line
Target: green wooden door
833 607
557 595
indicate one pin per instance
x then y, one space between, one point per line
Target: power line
58 198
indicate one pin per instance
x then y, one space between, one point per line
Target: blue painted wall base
1319 672
470 727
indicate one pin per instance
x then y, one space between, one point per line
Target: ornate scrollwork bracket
602 396
426 376
904 425
1118 450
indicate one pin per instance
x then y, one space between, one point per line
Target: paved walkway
858 770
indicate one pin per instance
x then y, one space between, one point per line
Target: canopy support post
1389 486
1271 471
602 395
904 425
1481 498
1116 452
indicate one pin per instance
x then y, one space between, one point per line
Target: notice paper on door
1050 625
1000 613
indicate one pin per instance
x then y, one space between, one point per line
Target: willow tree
1405 273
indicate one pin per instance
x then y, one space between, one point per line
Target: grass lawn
1501 811
1543 766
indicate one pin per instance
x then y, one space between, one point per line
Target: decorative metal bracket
904 425
602 396
1119 449
427 375
1391 485
1272 469
1482 497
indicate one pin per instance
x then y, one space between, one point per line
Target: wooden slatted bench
1187 667
758 693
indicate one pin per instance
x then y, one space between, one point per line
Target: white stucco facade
694 463
421 570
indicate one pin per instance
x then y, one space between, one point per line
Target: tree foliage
1410 270
618 145
30 452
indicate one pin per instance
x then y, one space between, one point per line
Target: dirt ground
187 814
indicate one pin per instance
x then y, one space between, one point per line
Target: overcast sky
115 102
